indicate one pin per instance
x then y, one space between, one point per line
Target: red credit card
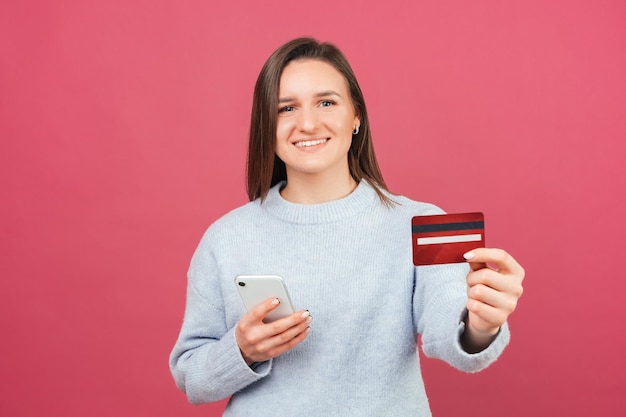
444 238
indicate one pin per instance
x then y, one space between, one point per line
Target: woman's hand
494 288
259 341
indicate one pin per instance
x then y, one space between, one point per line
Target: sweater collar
358 200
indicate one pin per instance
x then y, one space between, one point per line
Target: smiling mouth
308 143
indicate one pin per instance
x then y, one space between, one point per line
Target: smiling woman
314 132
304 66
321 217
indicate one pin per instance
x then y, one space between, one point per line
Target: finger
280 349
498 257
483 316
267 347
259 312
291 343
497 299
250 327
475 266
510 284
282 325
256 332
285 338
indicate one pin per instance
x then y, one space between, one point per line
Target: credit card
444 238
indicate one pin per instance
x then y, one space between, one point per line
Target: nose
307 119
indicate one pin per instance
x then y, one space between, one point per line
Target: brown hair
264 168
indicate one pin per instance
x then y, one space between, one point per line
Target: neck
316 189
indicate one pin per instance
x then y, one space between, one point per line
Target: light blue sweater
349 262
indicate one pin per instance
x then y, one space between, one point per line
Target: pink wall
123 135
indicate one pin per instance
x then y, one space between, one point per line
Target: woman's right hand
259 341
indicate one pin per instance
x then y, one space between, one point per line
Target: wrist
474 340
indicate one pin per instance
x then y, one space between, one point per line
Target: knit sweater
348 262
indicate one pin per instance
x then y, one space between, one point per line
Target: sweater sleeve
206 362
439 304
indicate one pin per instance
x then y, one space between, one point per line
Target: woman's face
315 120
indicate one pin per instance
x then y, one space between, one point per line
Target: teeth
306 143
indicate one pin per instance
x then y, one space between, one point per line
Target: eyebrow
325 93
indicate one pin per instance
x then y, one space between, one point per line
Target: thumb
259 312
474 266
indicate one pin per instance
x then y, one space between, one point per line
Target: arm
206 362
440 300
210 361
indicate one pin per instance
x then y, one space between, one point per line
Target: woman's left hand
494 286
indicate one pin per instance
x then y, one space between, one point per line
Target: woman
321 217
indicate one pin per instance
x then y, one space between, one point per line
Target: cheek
344 126
283 128
283 133
345 123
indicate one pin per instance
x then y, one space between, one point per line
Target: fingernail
276 301
309 319
306 314
469 255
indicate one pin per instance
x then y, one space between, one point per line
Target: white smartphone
254 289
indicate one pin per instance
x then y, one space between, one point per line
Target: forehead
311 75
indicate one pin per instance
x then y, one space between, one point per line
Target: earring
356 130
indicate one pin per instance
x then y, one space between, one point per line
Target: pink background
123 136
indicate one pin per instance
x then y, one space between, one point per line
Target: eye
286 109
327 103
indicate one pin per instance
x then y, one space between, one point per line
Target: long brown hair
264 168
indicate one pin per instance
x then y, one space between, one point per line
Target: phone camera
242 284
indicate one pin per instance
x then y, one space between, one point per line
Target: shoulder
400 203
407 205
234 223
240 217
397 218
